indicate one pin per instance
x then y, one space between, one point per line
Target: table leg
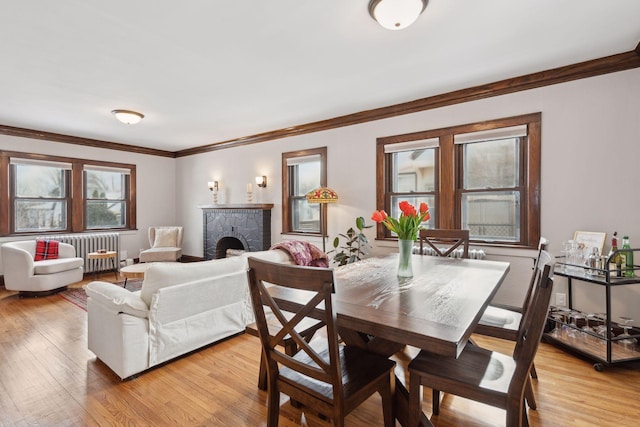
115 269
402 355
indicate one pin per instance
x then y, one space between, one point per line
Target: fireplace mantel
245 226
262 206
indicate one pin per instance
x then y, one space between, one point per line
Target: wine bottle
615 261
628 255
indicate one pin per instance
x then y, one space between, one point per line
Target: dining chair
454 239
486 376
503 322
323 375
307 329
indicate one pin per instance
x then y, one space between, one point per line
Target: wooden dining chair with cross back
326 377
453 239
486 376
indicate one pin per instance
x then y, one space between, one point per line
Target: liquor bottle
628 255
615 261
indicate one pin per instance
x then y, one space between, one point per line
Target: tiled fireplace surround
243 227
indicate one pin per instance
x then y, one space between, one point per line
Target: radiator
457 253
91 242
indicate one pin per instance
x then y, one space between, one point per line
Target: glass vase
404 258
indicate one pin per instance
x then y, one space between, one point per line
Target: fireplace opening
229 246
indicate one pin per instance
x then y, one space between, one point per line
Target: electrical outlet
561 299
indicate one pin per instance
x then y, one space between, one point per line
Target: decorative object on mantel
322 195
353 248
249 193
396 14
261 181
406 228
213 186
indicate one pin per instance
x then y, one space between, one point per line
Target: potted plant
354 246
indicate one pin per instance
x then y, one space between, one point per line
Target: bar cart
595 336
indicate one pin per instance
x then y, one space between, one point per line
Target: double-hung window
106 196
412 174
49 194
302 171
40 195
484 177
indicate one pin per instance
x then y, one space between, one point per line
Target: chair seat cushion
160 254
358 368
496 316
477 367
52 266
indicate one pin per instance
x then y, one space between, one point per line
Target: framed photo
590 239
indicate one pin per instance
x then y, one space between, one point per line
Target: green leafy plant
355 242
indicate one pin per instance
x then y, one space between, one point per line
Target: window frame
76 199
448 209
287 199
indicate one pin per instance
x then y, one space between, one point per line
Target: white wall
590 151
155 184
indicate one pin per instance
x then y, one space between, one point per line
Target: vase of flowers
406 228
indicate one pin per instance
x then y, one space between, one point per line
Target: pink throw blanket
304 253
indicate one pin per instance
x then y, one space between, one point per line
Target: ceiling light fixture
396 14
127 116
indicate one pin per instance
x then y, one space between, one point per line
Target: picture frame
590 239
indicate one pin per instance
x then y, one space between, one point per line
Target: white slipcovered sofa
181 307
22 273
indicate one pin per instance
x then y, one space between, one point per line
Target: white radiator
473 253
91 242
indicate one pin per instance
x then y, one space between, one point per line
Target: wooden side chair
307 329
504 322
454 239
329 378
485 376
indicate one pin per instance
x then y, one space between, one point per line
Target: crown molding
595 67
68 139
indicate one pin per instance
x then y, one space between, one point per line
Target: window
484 177
302 171
106 194
40 192
55 194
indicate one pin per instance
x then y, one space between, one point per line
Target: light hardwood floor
49 378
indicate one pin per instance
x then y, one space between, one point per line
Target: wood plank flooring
49 378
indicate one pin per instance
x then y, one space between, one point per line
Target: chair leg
262 375
529 396
415 404
435 402
388 405
273 410
533 372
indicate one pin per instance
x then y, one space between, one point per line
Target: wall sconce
261 181
213 186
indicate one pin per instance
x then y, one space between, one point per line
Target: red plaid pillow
46 249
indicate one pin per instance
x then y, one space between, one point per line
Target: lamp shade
127 116
396 14
322 195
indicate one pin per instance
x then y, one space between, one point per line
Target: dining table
436 310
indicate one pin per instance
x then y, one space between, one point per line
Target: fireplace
235 228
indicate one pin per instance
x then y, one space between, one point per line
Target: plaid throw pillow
46 249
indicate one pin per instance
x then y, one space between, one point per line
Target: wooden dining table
435 310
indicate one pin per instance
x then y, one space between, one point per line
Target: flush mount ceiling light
396 14
127 116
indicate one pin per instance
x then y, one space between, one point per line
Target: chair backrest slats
318 284
453 238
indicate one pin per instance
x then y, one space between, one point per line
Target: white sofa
181 307
22 273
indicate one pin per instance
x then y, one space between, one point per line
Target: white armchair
166 245
32 278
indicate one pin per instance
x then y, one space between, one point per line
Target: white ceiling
203 72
